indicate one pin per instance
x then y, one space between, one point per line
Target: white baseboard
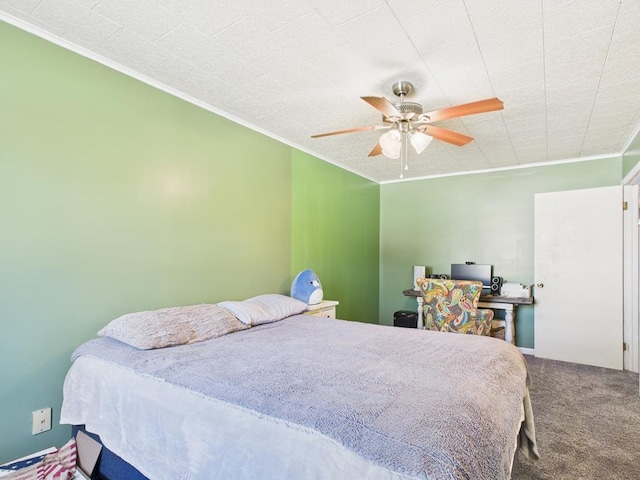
527 351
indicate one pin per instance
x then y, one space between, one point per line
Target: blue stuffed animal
307 288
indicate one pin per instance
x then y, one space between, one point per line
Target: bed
307 397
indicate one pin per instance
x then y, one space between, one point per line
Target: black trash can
405 318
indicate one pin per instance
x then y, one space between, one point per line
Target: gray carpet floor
587 423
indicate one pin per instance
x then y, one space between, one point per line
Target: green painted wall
629 160
336 233
486 218
631 157
116 197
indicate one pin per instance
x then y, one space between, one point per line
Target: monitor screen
473 271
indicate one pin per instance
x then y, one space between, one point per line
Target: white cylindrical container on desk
418 272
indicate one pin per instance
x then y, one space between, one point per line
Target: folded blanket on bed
421 403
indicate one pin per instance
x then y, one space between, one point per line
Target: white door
578 275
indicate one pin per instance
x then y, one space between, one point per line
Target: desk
508 304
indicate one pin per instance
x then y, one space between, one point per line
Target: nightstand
326 309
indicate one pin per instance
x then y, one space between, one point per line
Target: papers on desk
515 290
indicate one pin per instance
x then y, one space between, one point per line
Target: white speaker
418 272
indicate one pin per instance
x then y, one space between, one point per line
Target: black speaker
440 276
496 285
405 318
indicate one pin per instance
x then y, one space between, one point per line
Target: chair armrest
483 321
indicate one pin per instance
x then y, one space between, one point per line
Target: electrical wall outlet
41 420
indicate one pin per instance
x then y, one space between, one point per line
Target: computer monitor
472 271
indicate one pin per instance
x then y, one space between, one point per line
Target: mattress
306 397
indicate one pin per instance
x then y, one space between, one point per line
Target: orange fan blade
481 106
351 130
377 150
447 135
383 105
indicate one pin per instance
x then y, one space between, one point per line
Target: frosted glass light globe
391 143
420 141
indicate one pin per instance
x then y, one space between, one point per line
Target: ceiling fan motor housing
408 107
408 110
402 89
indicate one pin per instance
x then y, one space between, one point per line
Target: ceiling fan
407 121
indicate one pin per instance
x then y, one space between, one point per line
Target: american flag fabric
59 465
27 462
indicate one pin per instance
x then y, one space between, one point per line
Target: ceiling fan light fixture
393 154
407 121
391 140
420 141
391 143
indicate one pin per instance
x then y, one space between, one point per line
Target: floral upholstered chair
452 306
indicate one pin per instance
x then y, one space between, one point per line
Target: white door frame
631 271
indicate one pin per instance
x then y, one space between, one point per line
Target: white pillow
248 312
265 308
172 326
281 306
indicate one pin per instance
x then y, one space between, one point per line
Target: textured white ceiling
567 71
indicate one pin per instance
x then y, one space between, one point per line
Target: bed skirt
109 466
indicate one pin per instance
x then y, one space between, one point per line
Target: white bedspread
439 405
169 427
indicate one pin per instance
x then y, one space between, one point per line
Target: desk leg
509 324
509 318
420 301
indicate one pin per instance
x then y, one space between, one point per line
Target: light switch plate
41 420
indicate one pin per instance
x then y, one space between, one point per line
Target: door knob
540 285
